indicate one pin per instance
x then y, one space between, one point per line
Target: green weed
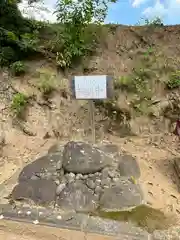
19 103
47 82
174 81
18 68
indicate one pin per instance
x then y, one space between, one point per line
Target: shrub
75 17
18 68
124 82
47 82
137 82
7 56
18 105
174 81
154 22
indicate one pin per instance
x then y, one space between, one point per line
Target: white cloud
137 3
158 10
168 9
43 11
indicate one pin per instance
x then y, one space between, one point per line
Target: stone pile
81 177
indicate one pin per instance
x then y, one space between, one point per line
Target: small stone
55 174
59 165
90 184
34 177
85 177
70 180
61 172
112 174
106 182
98 181
1 216
59 217
105 173
79 176
60 188
63 180
72 175
57 181
115 179
97 174
36 222
28 213
49 176
91 175
98 190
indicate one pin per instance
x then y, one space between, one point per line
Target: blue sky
128 12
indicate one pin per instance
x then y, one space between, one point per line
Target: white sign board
90 87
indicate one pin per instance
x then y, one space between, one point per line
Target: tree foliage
74 35
76 16
16 33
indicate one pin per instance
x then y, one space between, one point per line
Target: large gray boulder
56 148
80 157
78 197
124 195
42 192
45 167
128 166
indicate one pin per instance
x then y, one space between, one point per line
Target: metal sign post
92 88
92 120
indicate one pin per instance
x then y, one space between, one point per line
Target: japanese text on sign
91 87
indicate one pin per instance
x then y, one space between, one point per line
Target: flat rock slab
129 167
42 168
122 196
122 230
40 191
81 222
78 197
80 157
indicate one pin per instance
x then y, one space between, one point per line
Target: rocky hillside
37 108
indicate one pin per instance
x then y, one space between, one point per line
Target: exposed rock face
79 157
81 177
